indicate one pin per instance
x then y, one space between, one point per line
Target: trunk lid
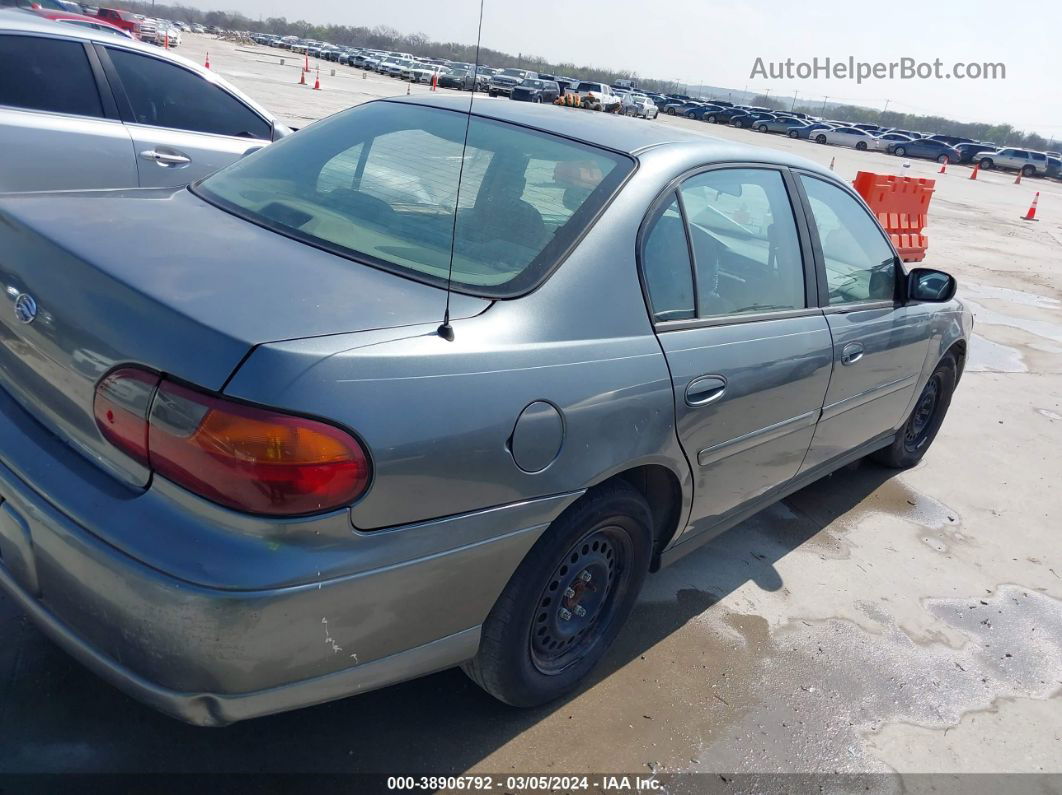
162 279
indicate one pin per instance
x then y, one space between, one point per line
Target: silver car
340 437
86 109
846 136
640 105
1026 161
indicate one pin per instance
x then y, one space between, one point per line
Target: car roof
619 133
18 21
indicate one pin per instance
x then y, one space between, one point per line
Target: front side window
382 183
746 249
52 75
165 95
860 263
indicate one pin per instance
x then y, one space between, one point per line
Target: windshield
379 184
533 84
589 87
512 72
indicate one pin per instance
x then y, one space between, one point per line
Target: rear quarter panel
437 416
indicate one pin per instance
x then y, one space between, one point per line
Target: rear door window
166 95
39 73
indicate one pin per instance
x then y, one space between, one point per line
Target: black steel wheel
918 432
568 599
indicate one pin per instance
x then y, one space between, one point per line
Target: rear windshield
590 87
379 183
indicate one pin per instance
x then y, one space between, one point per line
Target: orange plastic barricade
901 205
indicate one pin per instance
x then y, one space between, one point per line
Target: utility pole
793 106
886 110
823 113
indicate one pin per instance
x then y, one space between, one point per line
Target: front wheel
670 111
711 119
899 151
861 146
762 128
1028 171
986 164
821 139
492 93
918 433
794 134
567 601
943 159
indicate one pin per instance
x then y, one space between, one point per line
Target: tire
529 654
794 134
670 111
899 151
820 139
710 119
1028 171
762 128
986 164
861 146
917 434
943 159
492 93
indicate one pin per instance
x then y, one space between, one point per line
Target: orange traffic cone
306 64
166 42
973 174
434 81
1031 215
1017 179
302 78
832 159
207 63
317 80
944 166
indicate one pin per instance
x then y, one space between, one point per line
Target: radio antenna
446 331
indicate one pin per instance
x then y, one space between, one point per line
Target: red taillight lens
121 407
244 457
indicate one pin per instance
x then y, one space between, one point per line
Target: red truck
126 20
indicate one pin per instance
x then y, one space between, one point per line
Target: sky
717 43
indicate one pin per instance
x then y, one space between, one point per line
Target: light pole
823 113
793 106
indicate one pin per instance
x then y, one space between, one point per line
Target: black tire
762 128
794 134
529 654
861 146
917 434
710 119
670 111
1028 171
820 138
943 159
492 93
899 151
986 163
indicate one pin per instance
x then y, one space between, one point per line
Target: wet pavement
873 622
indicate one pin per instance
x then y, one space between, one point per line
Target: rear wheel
986 163
762 128
821 139
899 151
943 159
861 146
670 111
567 600
1028 171
794 134
918 433
711 118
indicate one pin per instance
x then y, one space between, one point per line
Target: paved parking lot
871 622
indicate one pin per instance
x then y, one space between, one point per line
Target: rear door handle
704 390
167 159
851 353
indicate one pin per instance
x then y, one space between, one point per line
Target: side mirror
926 284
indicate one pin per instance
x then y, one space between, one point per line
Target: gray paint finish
477 444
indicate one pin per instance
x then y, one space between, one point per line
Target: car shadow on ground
57 717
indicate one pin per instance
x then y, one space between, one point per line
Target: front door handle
851 353
167 158
704 390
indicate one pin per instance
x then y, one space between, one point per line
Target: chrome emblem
25 308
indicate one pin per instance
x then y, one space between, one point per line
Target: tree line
383 37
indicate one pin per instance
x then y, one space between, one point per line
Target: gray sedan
345 435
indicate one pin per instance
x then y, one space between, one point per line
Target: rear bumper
409 602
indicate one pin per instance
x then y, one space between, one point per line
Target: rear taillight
244 457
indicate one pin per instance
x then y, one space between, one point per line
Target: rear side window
39 73
165 95
666 264
382 183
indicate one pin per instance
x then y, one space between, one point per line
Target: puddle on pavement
982 291
975 296
986 356
820 690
